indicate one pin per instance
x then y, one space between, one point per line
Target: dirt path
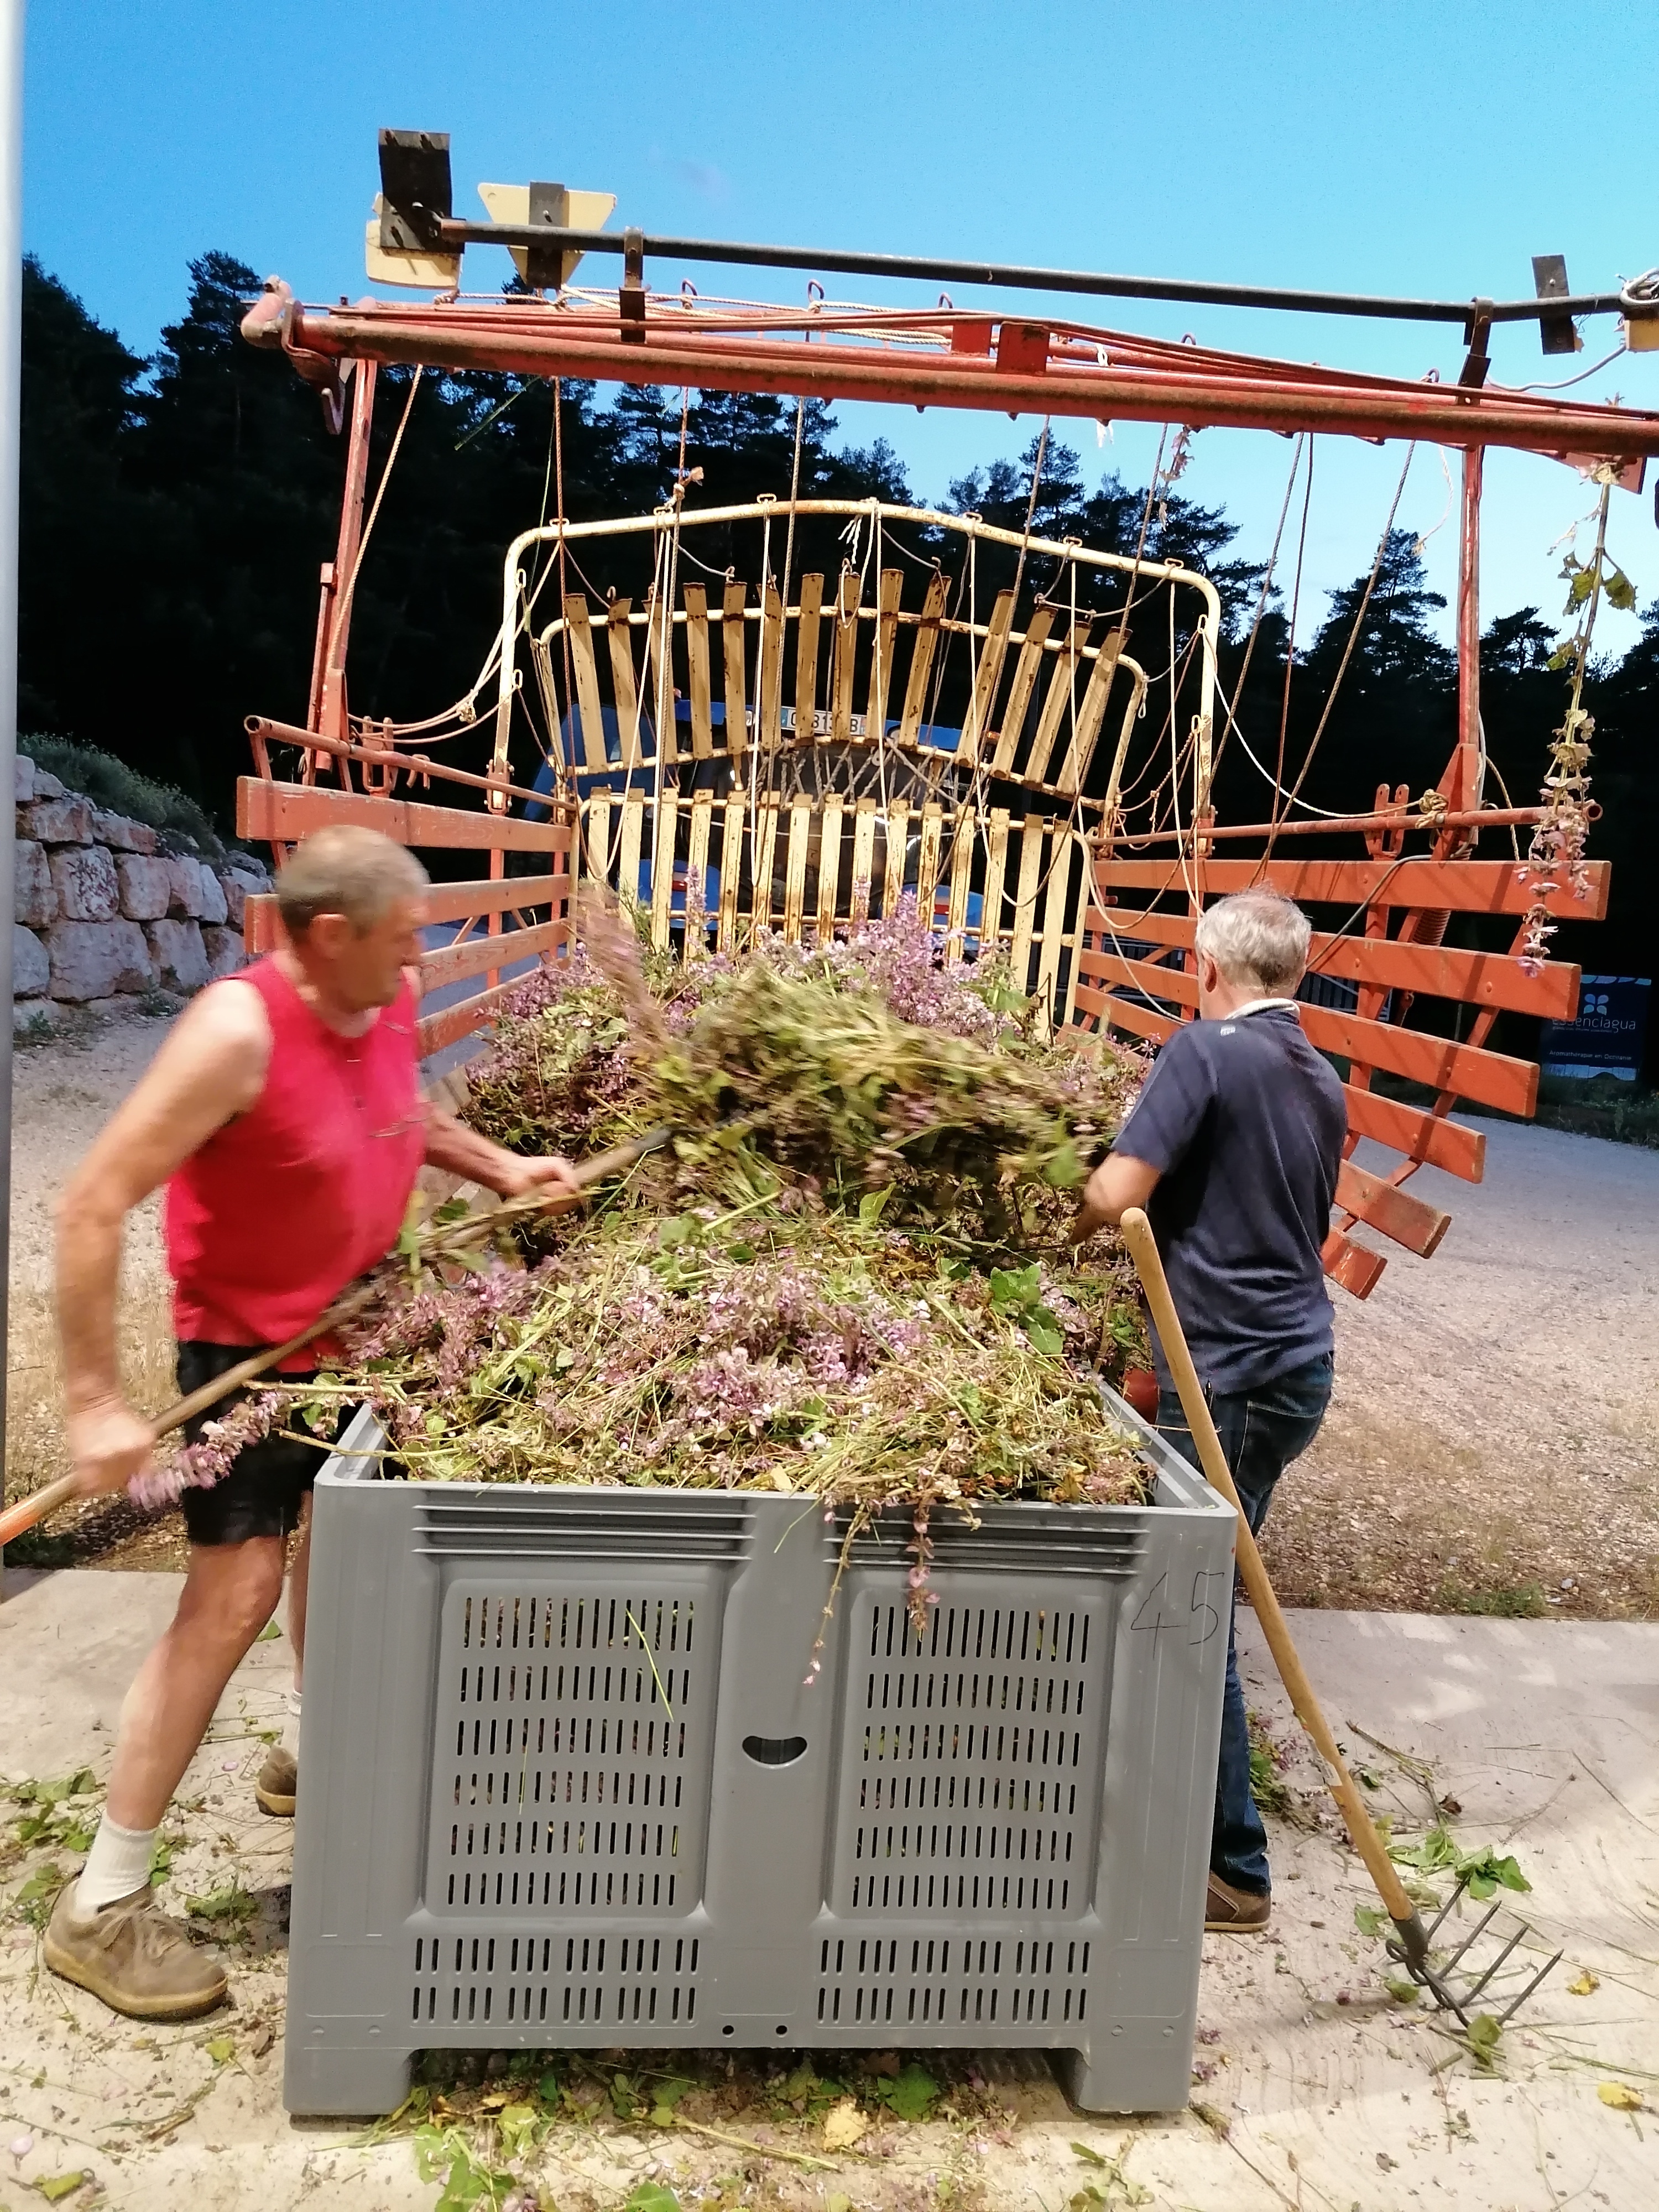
1495 1433
1493 1436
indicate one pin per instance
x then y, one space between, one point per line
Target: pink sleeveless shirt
270 1220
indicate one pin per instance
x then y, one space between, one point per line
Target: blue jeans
1261 1432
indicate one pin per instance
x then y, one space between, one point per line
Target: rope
380 494
1348 652
1290 640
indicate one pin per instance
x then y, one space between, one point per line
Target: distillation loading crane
771 749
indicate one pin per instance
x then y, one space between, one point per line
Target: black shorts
270 1480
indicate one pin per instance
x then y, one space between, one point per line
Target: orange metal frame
1015 365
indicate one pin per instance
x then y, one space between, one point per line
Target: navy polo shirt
1244 1122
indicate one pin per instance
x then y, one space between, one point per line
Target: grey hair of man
349 870
1257 936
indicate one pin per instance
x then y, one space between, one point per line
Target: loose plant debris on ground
847 1277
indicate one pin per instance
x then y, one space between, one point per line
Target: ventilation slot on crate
562 1983
573 1749
1069 1540
540 1525
1032 1987
970 1773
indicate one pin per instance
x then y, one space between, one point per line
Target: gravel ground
1491 1447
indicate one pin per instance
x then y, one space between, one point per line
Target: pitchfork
1413 1943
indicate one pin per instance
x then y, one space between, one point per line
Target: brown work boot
133 1957
278 1786
1236 1911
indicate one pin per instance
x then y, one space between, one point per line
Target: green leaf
1091 2157
677 1230
453 1209
51 2186
1370 1919
1485 2032
220 2050
872 1206
1015 1288
269 1633
652 2196
910 2095
1042 1332
1063 1170
1401 1990
1621 592
1562 654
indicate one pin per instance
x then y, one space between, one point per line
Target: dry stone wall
103 915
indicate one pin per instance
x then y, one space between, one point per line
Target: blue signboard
1610 1033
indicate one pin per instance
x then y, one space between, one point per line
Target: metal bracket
1559 333
630 301
414 190
1477 333
544 265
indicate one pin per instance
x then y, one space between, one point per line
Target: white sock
117 1864
291 1737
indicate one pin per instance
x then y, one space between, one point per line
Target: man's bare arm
451 1146
211 1068
1116 1184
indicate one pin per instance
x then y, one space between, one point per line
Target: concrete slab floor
1315 2090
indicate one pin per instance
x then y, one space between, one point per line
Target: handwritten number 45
1200 1621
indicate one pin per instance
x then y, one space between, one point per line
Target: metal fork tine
1483 1980
1505 2017
1474 1935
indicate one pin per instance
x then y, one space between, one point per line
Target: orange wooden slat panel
1440 971
279 813
1462 886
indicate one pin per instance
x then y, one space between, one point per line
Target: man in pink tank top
284 1116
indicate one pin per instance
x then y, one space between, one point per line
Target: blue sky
1402 148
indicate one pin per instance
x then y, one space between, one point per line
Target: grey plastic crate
564 1783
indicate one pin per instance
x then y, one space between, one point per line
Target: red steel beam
565 343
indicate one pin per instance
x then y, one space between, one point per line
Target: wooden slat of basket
592 857
996 868
1091 714
1031 868
923 647
696 655
794 876
986 678
585 669
1019 691
696 867
732 652
806 654
619 636
659 679
769 682
864 860
731 871
881 656
894 857
831 822
844 648
927 860
963 833
1051 917
766 841
662 868
628 857
1057 704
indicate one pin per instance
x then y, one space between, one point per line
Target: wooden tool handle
28 1510
1138 1235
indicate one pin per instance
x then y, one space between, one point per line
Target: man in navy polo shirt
1233 1148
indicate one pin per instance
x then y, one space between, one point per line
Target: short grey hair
350 870
1257 936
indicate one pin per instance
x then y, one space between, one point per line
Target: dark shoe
278 1786
133 1957
1236 1911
